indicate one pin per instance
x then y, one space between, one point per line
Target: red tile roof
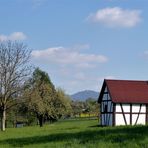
126 91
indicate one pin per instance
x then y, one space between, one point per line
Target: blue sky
81 42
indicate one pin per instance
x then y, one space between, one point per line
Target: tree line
28 95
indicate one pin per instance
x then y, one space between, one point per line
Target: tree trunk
41 120
3 122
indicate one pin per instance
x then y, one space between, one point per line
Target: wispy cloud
145 54
13 36
116 17
107 77
38 3
64 56
83 81
74 68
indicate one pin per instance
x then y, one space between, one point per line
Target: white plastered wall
142 116
119 118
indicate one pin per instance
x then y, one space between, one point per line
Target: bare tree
14 69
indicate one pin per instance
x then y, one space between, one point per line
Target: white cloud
110 77
80 76
116 17
60 55
145 54
38 3
70 68
83 81
3 37
13 36
106 77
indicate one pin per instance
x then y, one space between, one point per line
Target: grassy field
75 134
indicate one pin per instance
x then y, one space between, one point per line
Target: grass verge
82 134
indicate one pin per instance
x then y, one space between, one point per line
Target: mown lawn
77 134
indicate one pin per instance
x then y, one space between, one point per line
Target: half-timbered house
123 102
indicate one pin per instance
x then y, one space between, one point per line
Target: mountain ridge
85 94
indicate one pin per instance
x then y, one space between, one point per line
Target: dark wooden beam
146 122
123 114
138 114
106 100
111 105
114 109
130 114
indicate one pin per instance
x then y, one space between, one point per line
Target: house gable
106 108
103 91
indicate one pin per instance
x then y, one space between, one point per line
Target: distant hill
83 95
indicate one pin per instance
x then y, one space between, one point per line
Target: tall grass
75 134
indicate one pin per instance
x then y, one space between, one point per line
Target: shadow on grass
113 135
97 125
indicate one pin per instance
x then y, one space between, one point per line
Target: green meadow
76 134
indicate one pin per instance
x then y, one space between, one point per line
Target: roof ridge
126 80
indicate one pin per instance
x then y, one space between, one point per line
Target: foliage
76 133
89 107
92 106
41 94
77 107
19 114
47 103
64 108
